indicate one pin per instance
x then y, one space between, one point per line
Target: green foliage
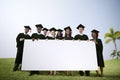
108 40
118 53
117 33
113 36
113 54
108 35
111 72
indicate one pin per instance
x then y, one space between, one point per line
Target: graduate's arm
19 38
33 37
44 37
29 37
75 37
22 39
100 45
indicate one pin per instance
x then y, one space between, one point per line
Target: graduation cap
39 25
60 30
95 31
52 29
27 27
44 29
80 26
68 28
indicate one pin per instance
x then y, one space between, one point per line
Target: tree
113 36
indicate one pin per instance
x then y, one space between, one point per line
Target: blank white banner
59 55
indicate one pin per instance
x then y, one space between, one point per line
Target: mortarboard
44 29
95 31
60 30
39 25
80 26
27 27
68 28
52 29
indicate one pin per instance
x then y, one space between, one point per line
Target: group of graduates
52 36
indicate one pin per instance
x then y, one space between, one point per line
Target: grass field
111 72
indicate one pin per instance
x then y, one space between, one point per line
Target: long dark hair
61 34
70 35
96 35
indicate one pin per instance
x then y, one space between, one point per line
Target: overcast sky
94 14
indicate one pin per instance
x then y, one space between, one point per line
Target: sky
93 14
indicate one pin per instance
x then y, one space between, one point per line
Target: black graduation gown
38 36
68 38
81 37
20 46
59 37
51 38
99 51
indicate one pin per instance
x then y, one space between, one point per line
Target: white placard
59 55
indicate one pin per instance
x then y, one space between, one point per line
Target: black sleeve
75 38
18 37
20 43
28 37
33 35
43 37
100 45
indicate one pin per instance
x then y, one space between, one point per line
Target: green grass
111 72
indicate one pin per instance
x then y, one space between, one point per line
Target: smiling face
81 30
68 32
53 33
39 29
45 32
26 30
94 35
59 33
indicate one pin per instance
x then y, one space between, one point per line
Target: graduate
59 34
38 35
68 33
45 31
52 37
99 50
20 45
68 36
82 36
